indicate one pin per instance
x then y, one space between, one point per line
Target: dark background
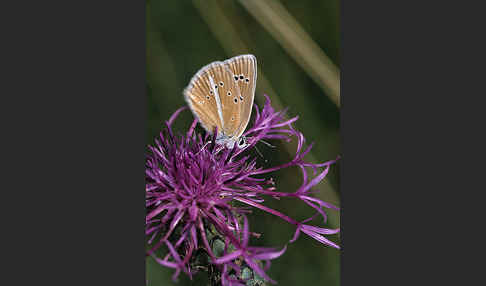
183 36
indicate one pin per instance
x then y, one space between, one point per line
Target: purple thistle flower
190 182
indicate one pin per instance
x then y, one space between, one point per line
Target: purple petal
258 270
165 263
173 252
229 257
269 255
174 116
320 238
296 235
194 235
320 229
246 234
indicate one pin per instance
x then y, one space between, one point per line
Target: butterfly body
221 95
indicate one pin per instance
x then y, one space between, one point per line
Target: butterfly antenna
266 143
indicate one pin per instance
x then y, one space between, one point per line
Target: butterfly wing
207 96
244 70
200 97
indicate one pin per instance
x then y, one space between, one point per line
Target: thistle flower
191 183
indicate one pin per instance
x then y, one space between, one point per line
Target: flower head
191 183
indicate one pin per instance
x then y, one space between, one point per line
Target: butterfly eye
229 93
236 100
221 83
232 119
247 80
216 86
241 76
236 78
210 92
241 98
207 97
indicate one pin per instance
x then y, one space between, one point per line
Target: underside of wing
244 70
207 95
200 97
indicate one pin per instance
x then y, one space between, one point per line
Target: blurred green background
296 44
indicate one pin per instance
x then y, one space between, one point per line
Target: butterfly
221 94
